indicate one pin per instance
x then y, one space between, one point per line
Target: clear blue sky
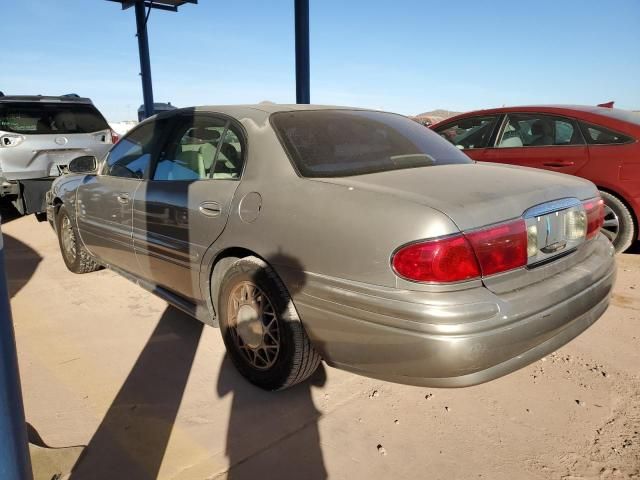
405 56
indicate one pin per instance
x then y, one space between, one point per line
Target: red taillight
595 216
465 256
114 137
500 248
449 259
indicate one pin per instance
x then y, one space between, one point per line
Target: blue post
15 462
145 63
303 89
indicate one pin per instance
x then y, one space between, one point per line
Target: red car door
540 141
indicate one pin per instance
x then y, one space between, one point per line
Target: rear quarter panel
616 168
312 226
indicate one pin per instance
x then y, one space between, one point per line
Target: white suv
38 137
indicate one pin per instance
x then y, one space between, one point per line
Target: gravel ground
150 391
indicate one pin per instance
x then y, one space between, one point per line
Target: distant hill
434 116
439 113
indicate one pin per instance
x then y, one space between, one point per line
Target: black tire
77 259
295 359
619 225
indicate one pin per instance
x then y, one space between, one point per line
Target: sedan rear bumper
454 339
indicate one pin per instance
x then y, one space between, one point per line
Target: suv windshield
336 143
50 118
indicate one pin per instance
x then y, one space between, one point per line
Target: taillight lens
114 137
500 248
449 259
465 256
595 216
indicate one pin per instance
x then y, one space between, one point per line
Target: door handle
123 198
210 209
559 164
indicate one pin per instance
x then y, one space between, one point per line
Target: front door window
468 133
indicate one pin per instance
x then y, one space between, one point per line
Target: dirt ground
150 391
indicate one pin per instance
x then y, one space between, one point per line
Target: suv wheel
261 328
619 225
75 256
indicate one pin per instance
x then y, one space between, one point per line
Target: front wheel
261 328
619 226
75 256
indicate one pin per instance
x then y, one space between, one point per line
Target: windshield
41 118
337 143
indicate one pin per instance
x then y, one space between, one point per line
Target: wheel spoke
271 323
261 353
609 234
274 339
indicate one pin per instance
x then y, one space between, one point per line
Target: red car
596 143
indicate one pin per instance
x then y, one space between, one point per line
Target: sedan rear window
597 135
337 143
42 118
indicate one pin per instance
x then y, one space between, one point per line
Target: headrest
541 128
65 121
229 151
202 133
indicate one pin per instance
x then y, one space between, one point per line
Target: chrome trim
550 207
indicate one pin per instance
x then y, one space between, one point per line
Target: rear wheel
261 328
75 256
619 225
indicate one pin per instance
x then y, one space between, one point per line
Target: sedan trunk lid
474 195
482 194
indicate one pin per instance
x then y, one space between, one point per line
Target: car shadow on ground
21 262
133 436
8 212
272 435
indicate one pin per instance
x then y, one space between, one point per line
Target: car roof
614 116
69 98
256 112
552 107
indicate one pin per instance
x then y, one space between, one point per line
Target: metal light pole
303 89
15 462
145 63
143 40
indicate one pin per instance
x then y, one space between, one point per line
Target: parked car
354 236
38 137
596 143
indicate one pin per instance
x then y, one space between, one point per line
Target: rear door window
467 133
533 130
336 143
597 135
201 147
41 118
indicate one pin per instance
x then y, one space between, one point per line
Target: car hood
473 195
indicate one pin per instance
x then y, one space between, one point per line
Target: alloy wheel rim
68 240
254 325
611 225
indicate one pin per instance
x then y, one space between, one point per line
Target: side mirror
86 164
